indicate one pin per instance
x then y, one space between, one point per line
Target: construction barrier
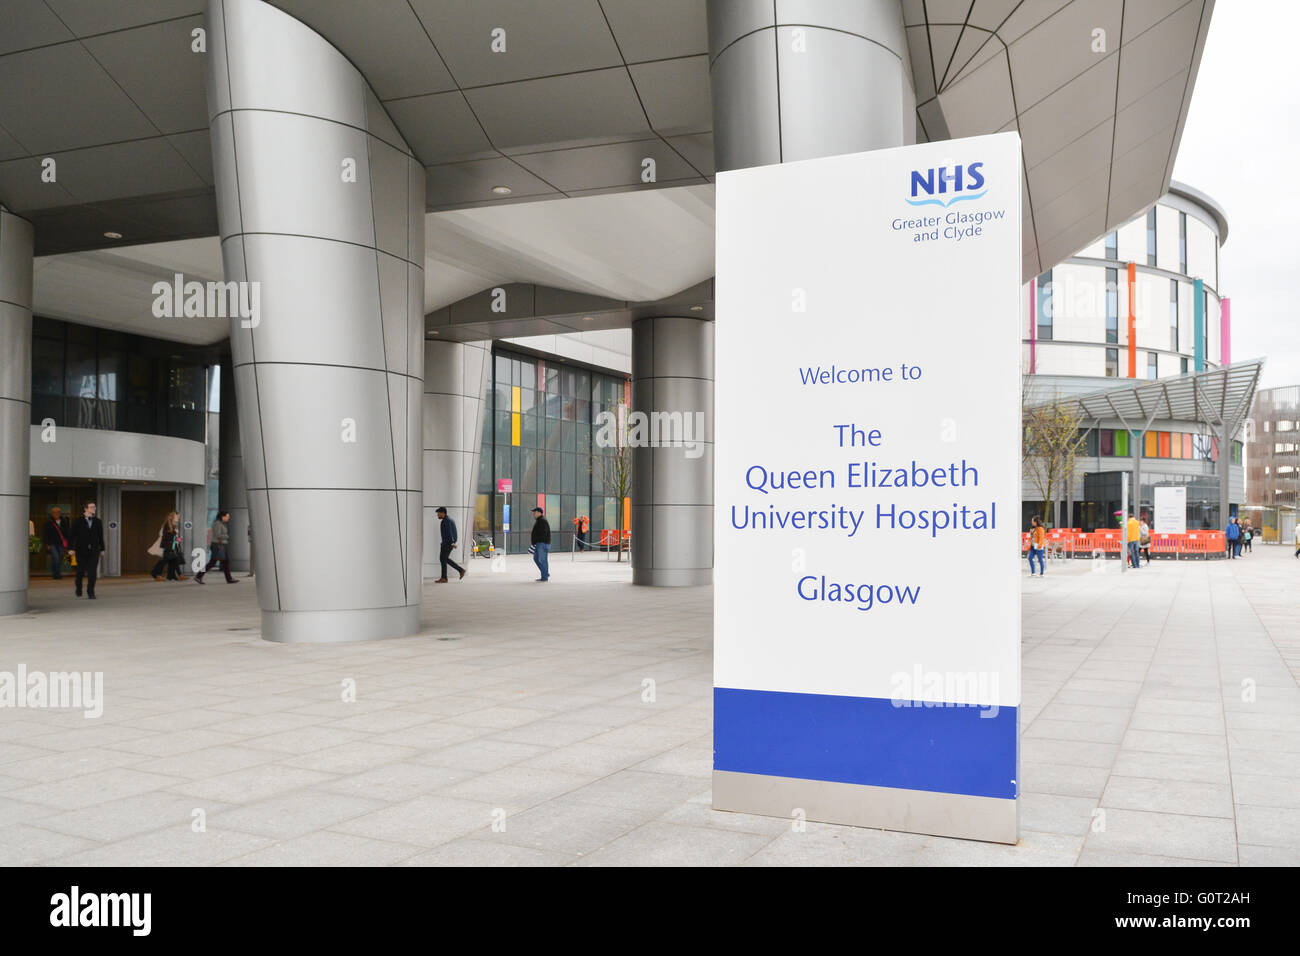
1166 546
1110 543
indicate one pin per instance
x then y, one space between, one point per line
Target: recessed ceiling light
589 318
112 235
697 308
502 190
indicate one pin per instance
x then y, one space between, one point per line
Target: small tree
1050 447
613 456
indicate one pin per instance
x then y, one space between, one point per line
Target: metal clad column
321 205
800 79
672 483
455 392
15 407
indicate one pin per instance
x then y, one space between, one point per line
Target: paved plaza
570 723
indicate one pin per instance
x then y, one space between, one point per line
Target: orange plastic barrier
1166 545
1205 544
1109 540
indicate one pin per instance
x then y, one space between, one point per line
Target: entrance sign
867 489
1171 509
505 486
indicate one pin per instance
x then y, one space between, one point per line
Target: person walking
1037 545
1144 538
541 542
1134 538
449 541
1296 536
88 545
55 536
169 540
1247 535
1232 535
220 547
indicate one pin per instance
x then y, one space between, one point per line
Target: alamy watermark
61 690
180 299
922 688
652 430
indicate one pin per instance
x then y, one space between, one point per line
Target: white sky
1239 146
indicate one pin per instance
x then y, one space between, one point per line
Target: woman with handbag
168 545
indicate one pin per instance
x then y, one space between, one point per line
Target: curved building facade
1162 268
1142 303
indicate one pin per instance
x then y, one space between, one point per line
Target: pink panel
1225 329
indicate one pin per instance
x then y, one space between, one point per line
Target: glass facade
1182 243
540 431
1114 443
1173 318
83 377
1151 236
1112 305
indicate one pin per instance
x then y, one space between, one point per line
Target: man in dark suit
55 535
88 544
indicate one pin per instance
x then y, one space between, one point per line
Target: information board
867 489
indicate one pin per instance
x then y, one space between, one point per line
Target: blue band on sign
866 740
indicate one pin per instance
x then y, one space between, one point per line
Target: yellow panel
515 401
514 426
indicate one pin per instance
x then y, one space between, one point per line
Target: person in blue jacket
1232 535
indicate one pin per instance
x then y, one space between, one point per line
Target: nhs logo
946 185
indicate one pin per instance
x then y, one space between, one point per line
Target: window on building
1112 305
1182 243
1151 365
1173 315
1182 366
1151 236
1112 363
1112 245
1205 326
1045 306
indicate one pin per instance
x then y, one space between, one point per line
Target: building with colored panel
1140 304
543 435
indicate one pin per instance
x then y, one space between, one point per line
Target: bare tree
1050 446
613 457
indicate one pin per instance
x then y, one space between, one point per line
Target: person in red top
55 535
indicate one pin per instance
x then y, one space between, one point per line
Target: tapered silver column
232 487
455 393
15 407
321 205
799 79
671 433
